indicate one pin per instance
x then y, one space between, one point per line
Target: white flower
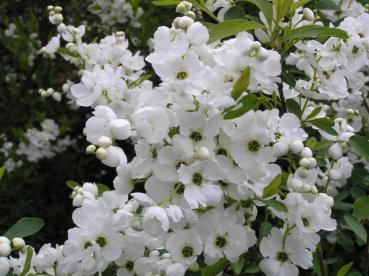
155 221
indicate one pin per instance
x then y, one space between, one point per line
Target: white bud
104 142
203 153
313 190
58 18
335 151
154 253
256 45
4 240
295 184
5 250
166 256
296 146
191 14
280 149
312 163
306 188
306 152
304 162
77 200
90 149
262 54
58 9
194 267
50 91
61 28
50 8
66 87
302 172
184 22
308 14
43 94
101 153
334 174
18 243
57 96
120 128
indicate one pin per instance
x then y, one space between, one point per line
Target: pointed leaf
241 84
343 270
356 227
361 208
265 7
361 145
24 227
243 106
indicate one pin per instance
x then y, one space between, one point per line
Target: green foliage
24 227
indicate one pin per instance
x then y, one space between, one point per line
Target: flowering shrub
251 148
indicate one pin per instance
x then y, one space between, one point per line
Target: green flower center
129 265
196 136
253 146
222 151
87 244
197 179
187 251
220 242
305 221
282 257
101 241
181 75
179 188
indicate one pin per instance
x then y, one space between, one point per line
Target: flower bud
312 163
306 188
18 243
280 149
166 256
306 152
304 162
184 22
101 153
308 14
191 14
262 54
334 174
302 172
154 253
313 190
203 153
104 142
296 146
4 240
295 184
50 8
61 28
90 149
256 45
335 151
57 96
120 128
194 267
5 250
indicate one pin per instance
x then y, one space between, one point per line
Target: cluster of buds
50 92
7 246
55 15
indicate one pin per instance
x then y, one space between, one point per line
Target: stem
323 269
281 96
366 253
365 104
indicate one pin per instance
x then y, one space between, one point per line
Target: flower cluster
209 165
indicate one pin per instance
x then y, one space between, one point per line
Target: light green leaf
361 145
216 268
343 270
2 170
27 263
166 3
314 31
361 208
282 8
72 184
231 27
241 84
277 205
356 227
273 187
264 6
24 227
324 124
298 4
313 113
238 266
102 189
327 5
243 106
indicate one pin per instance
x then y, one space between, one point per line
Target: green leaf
293 107
72 184
231 27
251 268
273 187
27 263
243 106
361 145
234 12
327 5
24 227
238 266
277 205
165 3
356 227
216 268
343 270
324 124
313 113
298 4
264 6
282 8
2 170
361 208
101 188
314 31
241 84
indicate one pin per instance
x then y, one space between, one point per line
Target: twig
281 96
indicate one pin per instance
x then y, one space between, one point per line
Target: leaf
314 31
277 205
343 270
231 27
293 107
356 227
327 5
324 124
241 84
265 7
24 227
72 184
361 208
361 145
298 4
282 8
27 263
238 266
251 268
313 113
234 12
101 188
273 187
165 3
243 106
2 170
216 268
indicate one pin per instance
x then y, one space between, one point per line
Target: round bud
256 45
335 151
50 91
306 188
101 153
154 253
66 87
296 146
50 8
194 267
308 14
5 250
104 142
166 256
4 240
191 14
181 8
302 172
306 152
77 200
61 28
295 184
58 9
57 96
313 190
43 94
58 18
262 54
280 149
18 243
350 111
120 128
304 162
203 153
312 162
184 22
334 174
90 149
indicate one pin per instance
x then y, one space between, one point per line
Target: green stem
323 268
281 96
